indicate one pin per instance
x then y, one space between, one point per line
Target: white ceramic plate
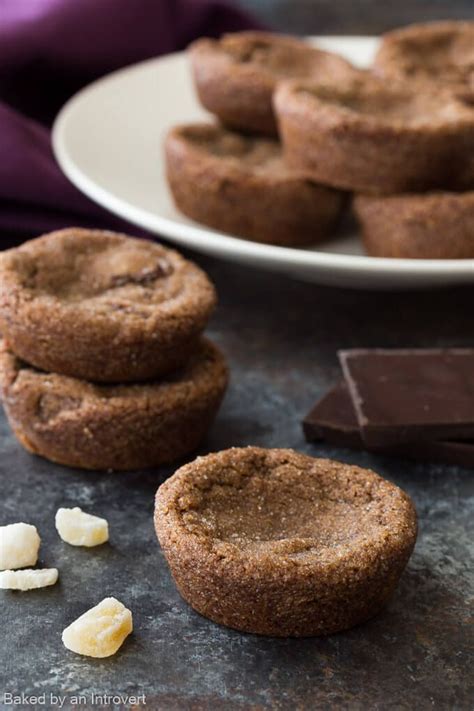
108 141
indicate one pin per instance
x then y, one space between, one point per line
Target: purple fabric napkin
48 50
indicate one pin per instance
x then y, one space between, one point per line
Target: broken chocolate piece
405 395
333 420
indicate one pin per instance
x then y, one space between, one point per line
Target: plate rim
189 235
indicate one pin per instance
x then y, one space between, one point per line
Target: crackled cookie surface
241 185
437 52
371 136
101 306
102 426
437 225
278 543
236 75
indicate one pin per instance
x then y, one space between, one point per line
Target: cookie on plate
436 225
435 52
102 306
236 75
372 136
274 542
240 185
115 427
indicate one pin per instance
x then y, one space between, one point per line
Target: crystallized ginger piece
28 579
19 546
100 631
80 528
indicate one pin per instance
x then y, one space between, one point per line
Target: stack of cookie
102 363
400 136
232 176
436 224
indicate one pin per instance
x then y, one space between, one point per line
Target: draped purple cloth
48 50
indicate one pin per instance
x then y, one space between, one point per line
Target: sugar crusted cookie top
365 98
433 52
102 271
276 504
277 56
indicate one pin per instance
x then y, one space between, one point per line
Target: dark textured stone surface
281 338
338 17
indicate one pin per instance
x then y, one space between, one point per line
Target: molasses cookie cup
102 306
241 185
436 225
278 543
434 52
116 427
236 75
369 136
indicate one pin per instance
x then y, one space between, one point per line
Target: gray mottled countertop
281 338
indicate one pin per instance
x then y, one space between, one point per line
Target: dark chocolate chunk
333 419
145 277
404 396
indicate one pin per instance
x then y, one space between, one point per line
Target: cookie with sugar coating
116 427
240 185
236 75
278 543
102 306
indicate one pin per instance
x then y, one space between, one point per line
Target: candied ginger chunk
100 631
28 579
19 546
79 528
